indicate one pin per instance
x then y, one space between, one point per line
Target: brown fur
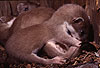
38 15
33 17
25 43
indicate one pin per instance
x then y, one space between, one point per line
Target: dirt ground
88 58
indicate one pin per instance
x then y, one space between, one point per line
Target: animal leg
52 49
73 51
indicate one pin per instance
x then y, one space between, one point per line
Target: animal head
6 22
22 7
76 21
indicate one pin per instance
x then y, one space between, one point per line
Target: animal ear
22 7
19 6
78 20
2 19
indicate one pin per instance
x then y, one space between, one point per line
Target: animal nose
82 33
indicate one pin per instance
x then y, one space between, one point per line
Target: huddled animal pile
59 33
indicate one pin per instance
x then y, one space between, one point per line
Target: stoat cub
34 17
69 25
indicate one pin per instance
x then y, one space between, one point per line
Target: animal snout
82 33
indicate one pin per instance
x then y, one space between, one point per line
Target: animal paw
58 60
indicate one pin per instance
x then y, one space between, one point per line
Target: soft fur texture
33 17
26 42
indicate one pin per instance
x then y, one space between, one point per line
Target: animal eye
69 33
26 9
